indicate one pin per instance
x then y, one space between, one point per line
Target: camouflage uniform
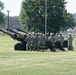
61 40
70 39
44 39
57 43
56 38
52 41
40 40
28 45
35 42
32 40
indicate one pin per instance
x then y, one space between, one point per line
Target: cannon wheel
19 46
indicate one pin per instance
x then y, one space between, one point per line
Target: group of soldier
38 41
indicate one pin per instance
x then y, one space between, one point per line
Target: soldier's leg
62 48
52 49
26 46
70 47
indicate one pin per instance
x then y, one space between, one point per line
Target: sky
14 6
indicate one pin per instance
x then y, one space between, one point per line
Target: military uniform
52 42
61 40
40 41
28 45
70 39
56 38
32 40
35 42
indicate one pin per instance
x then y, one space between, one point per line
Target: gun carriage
17 36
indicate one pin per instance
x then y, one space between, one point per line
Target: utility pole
45 16
8 18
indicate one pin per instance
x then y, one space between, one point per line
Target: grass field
34 63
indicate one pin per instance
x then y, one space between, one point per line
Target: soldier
61 40
32 40
57 43
52 42
70 39
40 40
56 37
35 42
44 39
28 45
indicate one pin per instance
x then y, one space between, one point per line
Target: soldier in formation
51 38
38 41
70 39
61 40
28 45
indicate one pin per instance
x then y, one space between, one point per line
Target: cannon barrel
18 36
14 36
13 31
6 32
23 31
16 32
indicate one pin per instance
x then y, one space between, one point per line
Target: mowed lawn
34 63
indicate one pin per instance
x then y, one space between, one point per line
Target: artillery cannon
17 36
13 31
22 31
22 39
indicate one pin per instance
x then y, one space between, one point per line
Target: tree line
32 15
1 14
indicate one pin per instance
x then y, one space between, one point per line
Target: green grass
34 63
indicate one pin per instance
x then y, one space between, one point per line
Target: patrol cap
60 33
33 32
51 33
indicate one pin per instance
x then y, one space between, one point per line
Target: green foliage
1 6
1 17
69 21
32 16
1 14
75 20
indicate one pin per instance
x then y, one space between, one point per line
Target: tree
32 15
1 14
69 21
1 6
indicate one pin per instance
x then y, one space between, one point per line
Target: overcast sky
15 5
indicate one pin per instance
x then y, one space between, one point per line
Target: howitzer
15 32
22 42
4 31
23 31
19 35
